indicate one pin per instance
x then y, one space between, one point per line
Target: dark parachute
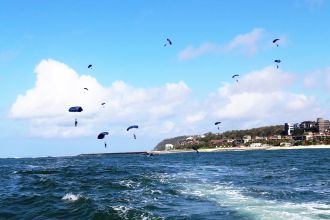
277 61
90 66
236 75
217 123
101 136
131 127
86 89
275 40
168 41
75 109
195 149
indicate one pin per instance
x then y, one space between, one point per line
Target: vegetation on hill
208 140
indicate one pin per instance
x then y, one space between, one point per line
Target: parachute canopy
86 88
218 122
90 66
274 41
277 61
76 109
103 103
102 135
132 126
234 76
169 41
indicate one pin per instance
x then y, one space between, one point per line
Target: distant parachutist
275 40
90 66
169 42
277 61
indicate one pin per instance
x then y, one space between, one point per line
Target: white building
169 146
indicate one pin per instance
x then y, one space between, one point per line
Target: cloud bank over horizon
261 97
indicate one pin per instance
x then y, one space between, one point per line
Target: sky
172 90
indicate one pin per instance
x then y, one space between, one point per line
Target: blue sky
212 40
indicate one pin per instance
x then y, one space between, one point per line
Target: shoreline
209 150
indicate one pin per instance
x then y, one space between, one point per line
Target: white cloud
58 87
248 44
261 97
191 52
318 79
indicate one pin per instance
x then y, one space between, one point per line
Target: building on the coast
285 144
322 125
275 137
306 136
260 138
255 144
246 139
288 129
296 126
307 125
169 146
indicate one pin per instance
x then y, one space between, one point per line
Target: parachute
75 109
101 136
86 89
275 40
169 42
195 149
103 103
217 123
236 75
131 127
277 61
90 66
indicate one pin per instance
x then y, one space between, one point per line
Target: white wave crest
71 197
234 198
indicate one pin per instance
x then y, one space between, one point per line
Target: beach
243 148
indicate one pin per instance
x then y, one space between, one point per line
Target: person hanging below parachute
195 149
235 76
217 123
278 62
275 41
168 41
101 136
75 109
133 127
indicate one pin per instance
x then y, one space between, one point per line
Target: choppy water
285 184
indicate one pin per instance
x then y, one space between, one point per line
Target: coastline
244 149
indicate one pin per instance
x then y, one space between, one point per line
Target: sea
278 184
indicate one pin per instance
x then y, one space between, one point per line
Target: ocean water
282 184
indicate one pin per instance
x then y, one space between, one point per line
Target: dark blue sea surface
281 184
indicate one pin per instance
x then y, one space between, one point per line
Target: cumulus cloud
248 44
58 87
317 79
261 97
191 52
